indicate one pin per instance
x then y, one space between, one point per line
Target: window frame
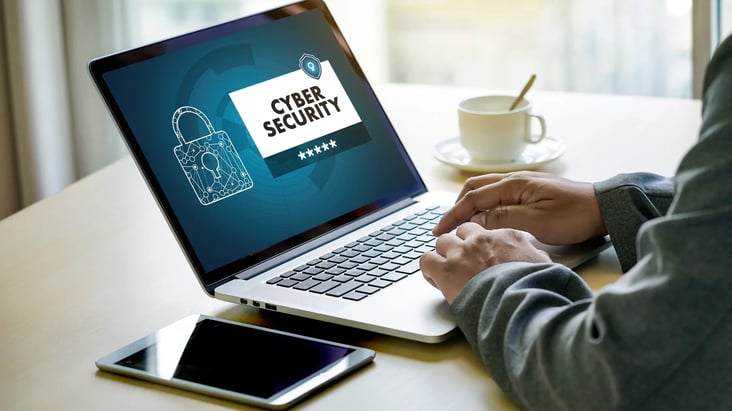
705 37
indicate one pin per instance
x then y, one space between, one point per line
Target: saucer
452 153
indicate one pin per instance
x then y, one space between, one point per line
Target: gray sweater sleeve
626 202
660 337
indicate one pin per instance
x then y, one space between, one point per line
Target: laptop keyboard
370 264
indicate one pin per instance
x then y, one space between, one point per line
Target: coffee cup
492 133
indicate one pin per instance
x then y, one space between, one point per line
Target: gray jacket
660 338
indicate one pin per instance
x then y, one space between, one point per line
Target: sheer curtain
53 127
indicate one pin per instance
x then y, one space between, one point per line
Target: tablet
236 361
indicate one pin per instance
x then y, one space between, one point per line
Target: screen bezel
317 380
210 279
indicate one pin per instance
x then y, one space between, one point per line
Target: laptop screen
256 135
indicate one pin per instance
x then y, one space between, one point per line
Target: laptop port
270 307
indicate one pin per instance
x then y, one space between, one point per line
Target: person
660 337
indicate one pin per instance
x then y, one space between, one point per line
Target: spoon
523 92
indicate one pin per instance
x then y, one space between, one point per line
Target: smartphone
236 361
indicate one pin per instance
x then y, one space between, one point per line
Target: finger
429 264
479 181
476 182
463 210
520 217
465 230
445 242
477 200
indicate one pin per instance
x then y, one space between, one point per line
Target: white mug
490 132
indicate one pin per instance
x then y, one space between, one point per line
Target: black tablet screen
241 359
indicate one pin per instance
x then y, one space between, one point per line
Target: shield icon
310 65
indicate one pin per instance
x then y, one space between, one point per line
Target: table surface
90 269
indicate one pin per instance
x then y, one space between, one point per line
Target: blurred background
54 128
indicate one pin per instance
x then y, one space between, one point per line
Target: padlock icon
210 163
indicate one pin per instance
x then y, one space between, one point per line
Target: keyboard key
367 289
414 244
344 288
413 255
324 287
389 255
396 242
361 248
354 272
355 296
378 272
384 237
393 277
395 232
371 253
342 278
373 242
322 277
337 259
300 277
307 284
380 283
358 260
379 261
350 253
401 260
409 226
367 266
389 266
348 265
402 239
409 268
389 246
426 238
364 278
312 270
286 283
325 265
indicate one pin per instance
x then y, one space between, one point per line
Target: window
603 46
725 18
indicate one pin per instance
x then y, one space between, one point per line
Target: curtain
54 128
9 187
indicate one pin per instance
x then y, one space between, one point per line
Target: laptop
279 172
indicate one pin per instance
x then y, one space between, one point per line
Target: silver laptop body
276 167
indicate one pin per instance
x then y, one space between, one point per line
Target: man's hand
460 256
555 210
